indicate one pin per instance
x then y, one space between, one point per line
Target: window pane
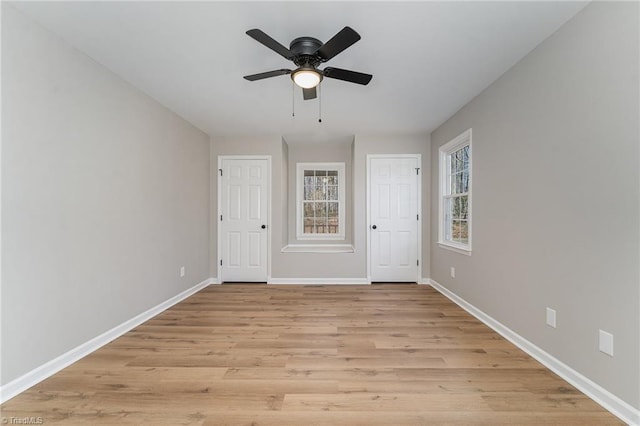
457 184
448 202
321 221
321 177
309 218
455 208
464 232
308 193
455 230
464 181
333 220
459 179
316 193
332 192
464 206
465 157
321 210
447 219
308 210
308 225
309 180
321 225
453 182
460 185
454 163
332 209
332 177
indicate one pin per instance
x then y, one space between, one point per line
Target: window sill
455 249
317 248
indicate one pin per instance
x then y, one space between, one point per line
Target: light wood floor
393 354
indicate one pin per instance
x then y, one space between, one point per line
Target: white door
394 222
244 220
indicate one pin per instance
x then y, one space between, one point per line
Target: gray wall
284 185
104 196
556 197
314 265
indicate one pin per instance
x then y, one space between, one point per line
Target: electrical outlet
606 343
453 272
181 271
551 317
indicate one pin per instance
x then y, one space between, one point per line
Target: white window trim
446 149
318 248
300 168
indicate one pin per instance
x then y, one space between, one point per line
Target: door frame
221 159
418 157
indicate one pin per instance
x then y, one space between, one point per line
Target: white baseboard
319 281
623 410
48 369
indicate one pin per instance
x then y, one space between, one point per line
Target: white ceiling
428 59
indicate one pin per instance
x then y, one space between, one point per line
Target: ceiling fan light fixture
307 78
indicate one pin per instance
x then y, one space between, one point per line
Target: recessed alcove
308 149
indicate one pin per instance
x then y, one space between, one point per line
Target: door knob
263 226
374 227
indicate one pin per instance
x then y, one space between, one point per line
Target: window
455 194
320 201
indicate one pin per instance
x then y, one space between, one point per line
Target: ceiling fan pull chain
319 104
293 99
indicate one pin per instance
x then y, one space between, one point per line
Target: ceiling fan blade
309 93
345 38
261 37
347 75
260 76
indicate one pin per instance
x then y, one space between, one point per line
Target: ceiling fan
307 53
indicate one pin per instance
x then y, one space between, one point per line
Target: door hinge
220 172
220 262
417 262
417 170
220 218
417 217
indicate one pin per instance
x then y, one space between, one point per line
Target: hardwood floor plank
375 402
209 361
362 362
442 418
312 374
390 354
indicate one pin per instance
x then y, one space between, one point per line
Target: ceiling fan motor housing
304 50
